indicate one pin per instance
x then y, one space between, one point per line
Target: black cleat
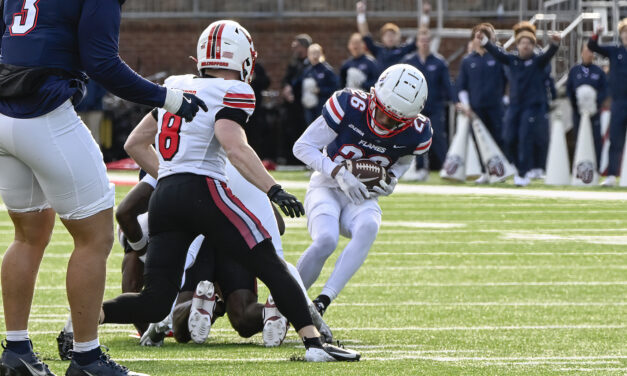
14 364
320 307
103 366
65 342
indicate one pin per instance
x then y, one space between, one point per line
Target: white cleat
330 353
275 325
201 312
483 179
609 181
521 182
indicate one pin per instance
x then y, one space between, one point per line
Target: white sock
17 335
364 232
69 328
81 347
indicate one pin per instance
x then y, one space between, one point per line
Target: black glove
189 107
288 203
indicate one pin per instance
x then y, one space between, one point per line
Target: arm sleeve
233 114
545 57
343 70
602 94
462 79
372 46
570 90
593 45
98 34
401 166
449 92
408 47
498 53
308 148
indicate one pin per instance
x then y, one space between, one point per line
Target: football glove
351 186
288 203
182 104
385 189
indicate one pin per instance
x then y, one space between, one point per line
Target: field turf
456 284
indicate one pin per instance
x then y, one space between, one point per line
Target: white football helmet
226 44
400 93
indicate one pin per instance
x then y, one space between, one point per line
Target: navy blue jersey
483 77
591 75
367 65
389 56
526 76
325 77
346 113
435 70
77 36
618 66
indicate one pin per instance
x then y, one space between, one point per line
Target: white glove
351 186
586 99
355 78
309 98
385 189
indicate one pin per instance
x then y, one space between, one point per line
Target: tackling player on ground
192 196
384 126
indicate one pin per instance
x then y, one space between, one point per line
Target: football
367 171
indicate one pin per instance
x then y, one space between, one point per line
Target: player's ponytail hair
525 29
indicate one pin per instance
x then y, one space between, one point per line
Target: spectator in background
618 89
293 117
591 75
526 130
319 81
481 86
259 135
435 70
90 108
391 51
361 70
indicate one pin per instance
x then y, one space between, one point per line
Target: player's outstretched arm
98 34
138 145
233 139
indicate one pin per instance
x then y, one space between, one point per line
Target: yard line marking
612 369
377 253
486 304
430 284
442 190
486 328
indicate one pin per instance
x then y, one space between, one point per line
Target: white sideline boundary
489 191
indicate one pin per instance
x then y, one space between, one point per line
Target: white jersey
192 147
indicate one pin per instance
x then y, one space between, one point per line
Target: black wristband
273 190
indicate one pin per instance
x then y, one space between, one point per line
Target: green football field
459 282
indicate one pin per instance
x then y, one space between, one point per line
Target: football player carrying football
384 126
192 196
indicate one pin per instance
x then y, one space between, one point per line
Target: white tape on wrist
140 244
361 18
173 100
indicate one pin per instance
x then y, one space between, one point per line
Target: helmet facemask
393 125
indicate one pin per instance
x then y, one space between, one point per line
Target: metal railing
325 8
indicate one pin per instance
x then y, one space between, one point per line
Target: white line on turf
596 369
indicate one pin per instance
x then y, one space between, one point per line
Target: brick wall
150 46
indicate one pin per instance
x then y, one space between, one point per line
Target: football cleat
331 353
103 366
156 332
65 343
318 321
14 364
609 181
320 307
275 325
201 311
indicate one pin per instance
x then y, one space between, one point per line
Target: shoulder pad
240 95
422 125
